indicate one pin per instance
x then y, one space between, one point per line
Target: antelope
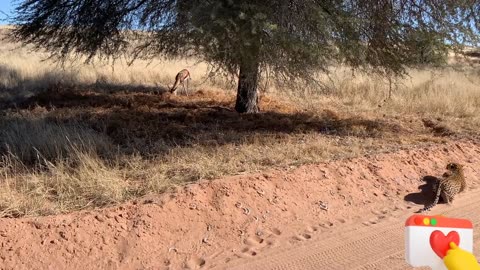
182 76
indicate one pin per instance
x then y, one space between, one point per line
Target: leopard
450 185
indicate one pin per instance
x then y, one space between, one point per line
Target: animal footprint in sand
312 229
248 251
195 263
254 241
384 214
276 231
302 237
327 224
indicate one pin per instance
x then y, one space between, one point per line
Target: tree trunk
247 95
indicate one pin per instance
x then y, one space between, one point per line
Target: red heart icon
441 243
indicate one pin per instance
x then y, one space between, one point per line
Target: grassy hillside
88 136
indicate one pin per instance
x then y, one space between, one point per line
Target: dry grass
439 92
90 136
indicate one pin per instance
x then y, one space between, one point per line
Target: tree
430 49
291 38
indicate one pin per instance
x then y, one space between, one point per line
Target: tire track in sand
379 246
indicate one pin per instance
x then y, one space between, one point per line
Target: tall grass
38 141
438 92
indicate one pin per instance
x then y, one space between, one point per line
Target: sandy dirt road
379 246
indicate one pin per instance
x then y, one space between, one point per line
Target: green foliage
426 48
293 38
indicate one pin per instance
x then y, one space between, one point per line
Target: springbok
182 77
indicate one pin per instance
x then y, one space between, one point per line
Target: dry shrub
60 187
39 140
431 92
49 167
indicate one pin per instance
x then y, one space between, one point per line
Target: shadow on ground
200 118
426 195
151 121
